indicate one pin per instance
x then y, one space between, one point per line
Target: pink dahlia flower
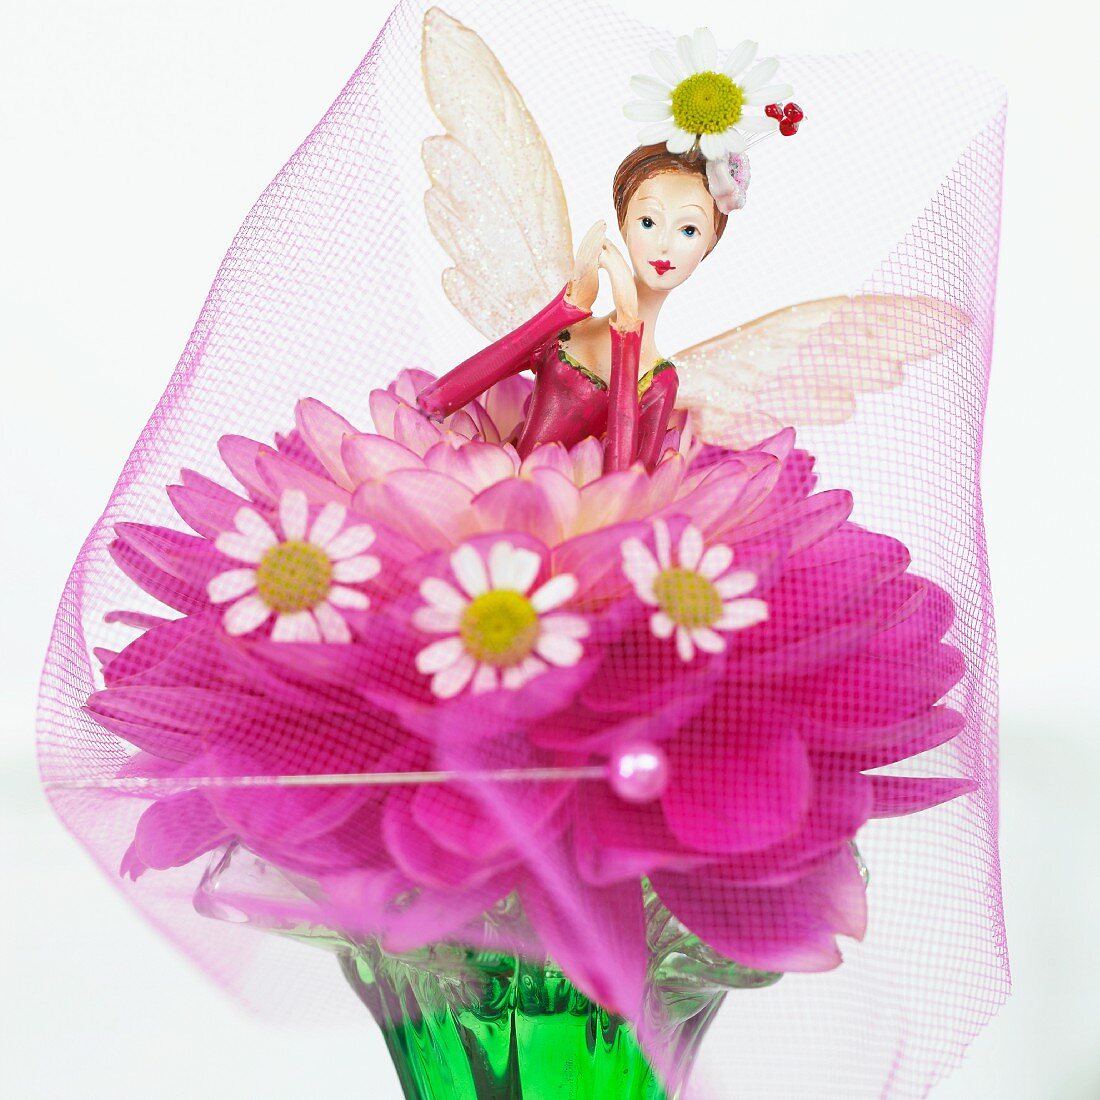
532 617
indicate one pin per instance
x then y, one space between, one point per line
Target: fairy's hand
585 283
624 292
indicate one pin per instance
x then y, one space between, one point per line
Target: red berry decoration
787 127
773 110
794 113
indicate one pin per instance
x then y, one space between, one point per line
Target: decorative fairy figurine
498 208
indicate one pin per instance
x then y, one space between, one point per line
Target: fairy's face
669 228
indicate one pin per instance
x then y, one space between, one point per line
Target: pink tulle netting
296 399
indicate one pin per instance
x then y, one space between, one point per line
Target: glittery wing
496 204
805 364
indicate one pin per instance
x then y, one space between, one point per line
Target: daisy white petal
513 567
356 570
558 649
648 87
656 132
759 74
246 615
449 681
706 48
339 596
435 620
711 146
735 584
685 647
734 141
228 586
663 541
661 625
351 542
442 595
740 58
250 522
439 655
758 124
327 524
708 640
666 67
293 514
295 626
485 679
742 613
469 569
773 93
561 622
680 142
691 546
715 561
685 51
554 592
640 567
250 548
334 627
646 110
513 677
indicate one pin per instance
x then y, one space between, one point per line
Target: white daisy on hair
300 574
499 633
693 99
696 594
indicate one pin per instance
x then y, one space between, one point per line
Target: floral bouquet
560 708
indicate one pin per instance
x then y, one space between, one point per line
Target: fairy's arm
511 352
626 342
502 358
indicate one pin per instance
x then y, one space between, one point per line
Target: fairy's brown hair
647 161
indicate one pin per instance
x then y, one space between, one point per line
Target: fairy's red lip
662 266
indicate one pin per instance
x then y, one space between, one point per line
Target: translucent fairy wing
496 204
805 364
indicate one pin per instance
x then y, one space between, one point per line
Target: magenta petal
753 790
520 505
790 927
204 505
239 453
176 830
896 795
323 431
595 934
280 474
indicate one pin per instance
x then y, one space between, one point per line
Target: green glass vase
462 1024
466 1024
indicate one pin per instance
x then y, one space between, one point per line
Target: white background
134 137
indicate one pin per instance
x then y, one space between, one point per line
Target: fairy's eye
689 230
647 222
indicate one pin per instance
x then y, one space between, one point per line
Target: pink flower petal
295 626
333 626
327 524
323 431
788 927
469 569
449 681
439 655
356 570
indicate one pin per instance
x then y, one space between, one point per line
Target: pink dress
569 402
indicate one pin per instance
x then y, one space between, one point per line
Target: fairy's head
667 215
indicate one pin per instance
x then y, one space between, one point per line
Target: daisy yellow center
499 627
293 576
707 103
688 598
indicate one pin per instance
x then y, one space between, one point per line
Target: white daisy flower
692 99
299 578
696 596
499 633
